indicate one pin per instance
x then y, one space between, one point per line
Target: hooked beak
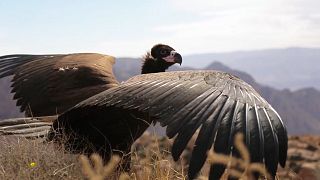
178 58
174 57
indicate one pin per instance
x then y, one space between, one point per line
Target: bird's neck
150 65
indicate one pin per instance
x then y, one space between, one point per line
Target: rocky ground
303 158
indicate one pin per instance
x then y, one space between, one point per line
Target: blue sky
130 28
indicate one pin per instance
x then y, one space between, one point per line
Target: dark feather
282 136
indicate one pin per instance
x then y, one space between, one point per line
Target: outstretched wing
218 103
50 84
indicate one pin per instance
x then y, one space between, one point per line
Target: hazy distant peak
293 67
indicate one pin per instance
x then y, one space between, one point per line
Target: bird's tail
29 127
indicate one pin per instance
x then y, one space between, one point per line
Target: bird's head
160 58
166 54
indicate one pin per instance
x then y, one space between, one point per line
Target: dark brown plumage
218 103
50 84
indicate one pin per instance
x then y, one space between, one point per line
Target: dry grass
21 158
31 159
98 171
233 164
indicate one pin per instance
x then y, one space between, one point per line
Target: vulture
98 114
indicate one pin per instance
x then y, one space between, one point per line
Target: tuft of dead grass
97 170
247 169
21 158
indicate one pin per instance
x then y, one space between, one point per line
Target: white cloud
262 6
246 24
218 25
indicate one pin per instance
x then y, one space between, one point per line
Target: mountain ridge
292 68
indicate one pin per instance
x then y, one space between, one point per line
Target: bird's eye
163 51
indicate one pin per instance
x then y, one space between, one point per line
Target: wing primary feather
143 102
7 73
206 137
166 94
194 107
189 129
271 147
177 122
239 126
19 79
123 92
4 61
233 124
143 92
246 108
179 101
7 69
254 147
281 135
261 135
29 71
223 133
156 92
104 98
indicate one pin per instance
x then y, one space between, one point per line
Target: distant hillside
299 109
291 68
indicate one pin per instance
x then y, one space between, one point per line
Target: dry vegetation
32 159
